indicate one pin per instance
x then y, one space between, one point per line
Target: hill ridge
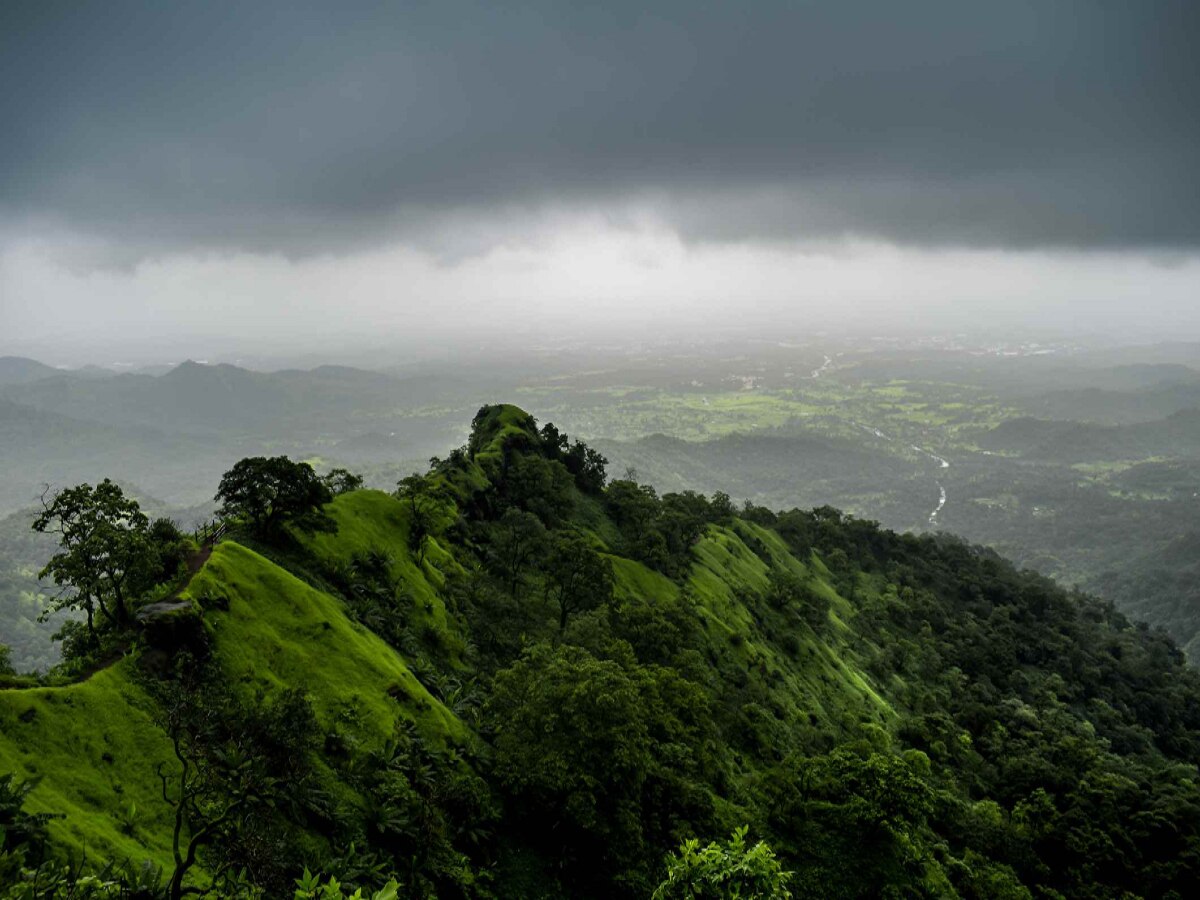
891 712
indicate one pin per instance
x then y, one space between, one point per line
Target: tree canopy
341 481
577 577
107 556
269 492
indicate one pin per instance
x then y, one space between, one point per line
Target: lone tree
268 492
518 538
108 557
427 511
577 577
341 481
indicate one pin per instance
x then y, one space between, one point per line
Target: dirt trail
195 562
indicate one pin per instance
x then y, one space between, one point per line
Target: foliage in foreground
724 871
314 887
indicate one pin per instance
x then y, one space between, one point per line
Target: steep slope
374 521
280 633
96 745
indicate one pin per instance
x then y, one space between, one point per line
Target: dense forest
517 676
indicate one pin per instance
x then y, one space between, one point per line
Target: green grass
726 579
281 633
822 678
632 579
96 744
376 521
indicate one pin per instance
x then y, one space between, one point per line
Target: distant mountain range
22 370
175 432
40 447
783 468
199 399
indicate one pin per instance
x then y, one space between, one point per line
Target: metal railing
210 532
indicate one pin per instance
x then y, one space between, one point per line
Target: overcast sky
175 177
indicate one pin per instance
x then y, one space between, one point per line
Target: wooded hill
517 678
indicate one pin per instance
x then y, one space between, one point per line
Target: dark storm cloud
306 127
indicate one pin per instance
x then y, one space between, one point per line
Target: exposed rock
174 625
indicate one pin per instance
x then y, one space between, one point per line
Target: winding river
942 462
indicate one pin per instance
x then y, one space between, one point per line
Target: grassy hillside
280 633
95 745
369 521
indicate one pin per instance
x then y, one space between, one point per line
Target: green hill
517 679
96 744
